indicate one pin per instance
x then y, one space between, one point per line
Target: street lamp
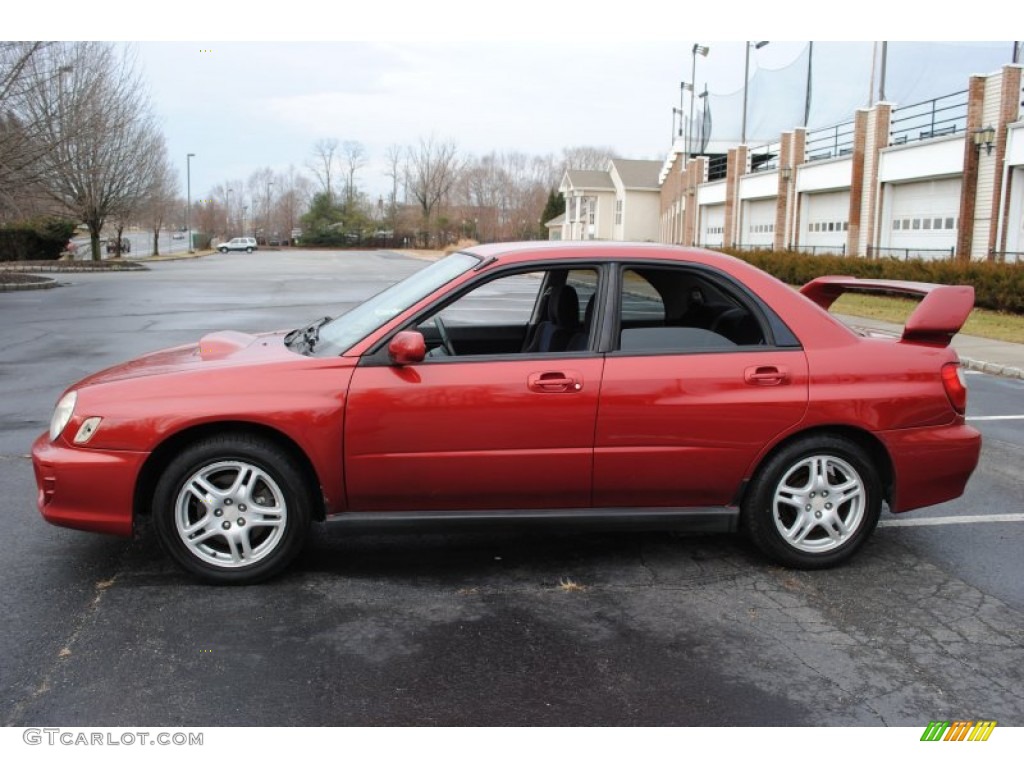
227 214
188 198
266 227
746 79
703 96
703 50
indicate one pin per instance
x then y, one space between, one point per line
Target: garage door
922 217
758 226
825 220
712 225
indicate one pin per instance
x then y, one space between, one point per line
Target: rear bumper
91 490
931 465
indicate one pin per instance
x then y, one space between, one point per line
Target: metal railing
826 143
764 158
752 247
912 253
826 250
718 167
1006 257
942 116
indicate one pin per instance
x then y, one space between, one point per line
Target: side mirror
407 347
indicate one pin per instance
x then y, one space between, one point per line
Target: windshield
355 325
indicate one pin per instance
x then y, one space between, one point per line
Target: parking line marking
996 418
952 520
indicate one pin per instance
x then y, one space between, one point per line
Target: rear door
697 385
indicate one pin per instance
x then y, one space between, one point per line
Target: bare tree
587 158
104 144
322 164
263 186
161 202
355 158
21 142
434 167
396 161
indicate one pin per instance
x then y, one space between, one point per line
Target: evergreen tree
555 206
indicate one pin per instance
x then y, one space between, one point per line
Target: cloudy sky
526 76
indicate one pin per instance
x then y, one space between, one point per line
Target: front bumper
931 465
92 490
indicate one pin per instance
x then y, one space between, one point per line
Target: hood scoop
217 346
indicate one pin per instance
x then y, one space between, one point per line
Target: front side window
341 333
541 312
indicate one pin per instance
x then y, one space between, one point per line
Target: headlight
62 414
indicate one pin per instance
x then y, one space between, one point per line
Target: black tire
248 250
223 250
791 513
242 504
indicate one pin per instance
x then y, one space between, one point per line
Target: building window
618 212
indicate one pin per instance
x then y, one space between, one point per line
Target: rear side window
679 310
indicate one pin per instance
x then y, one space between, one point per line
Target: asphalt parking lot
511 627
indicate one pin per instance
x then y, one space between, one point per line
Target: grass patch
568 585
981 322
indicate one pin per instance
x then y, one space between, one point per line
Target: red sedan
588 382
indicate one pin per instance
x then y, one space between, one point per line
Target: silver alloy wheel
230 514
819 504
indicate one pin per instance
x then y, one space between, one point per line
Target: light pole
227 214
746 85
683 134
703 50
807 98
266 227
188 198
703 96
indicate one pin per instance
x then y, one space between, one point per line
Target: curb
42 284
71 266
994 369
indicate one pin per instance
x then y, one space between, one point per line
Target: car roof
602 249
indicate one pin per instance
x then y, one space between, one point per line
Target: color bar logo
959 730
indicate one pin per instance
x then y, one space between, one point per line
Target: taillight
956 386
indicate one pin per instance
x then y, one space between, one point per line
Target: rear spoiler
942 312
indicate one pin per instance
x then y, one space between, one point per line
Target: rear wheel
232 509
814 503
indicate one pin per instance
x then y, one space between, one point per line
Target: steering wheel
446 340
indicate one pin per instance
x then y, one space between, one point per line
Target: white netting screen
841 83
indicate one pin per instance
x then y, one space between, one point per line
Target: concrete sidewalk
1002 358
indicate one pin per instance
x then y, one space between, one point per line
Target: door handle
554 381
766 375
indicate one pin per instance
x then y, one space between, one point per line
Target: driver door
483 428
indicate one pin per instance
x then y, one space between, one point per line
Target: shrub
998 287
42 239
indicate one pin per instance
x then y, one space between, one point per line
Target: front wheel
223 250
814 503
248 250
232 509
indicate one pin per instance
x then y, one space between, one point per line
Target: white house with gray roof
637 199
621 202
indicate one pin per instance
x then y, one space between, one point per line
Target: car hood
220 349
